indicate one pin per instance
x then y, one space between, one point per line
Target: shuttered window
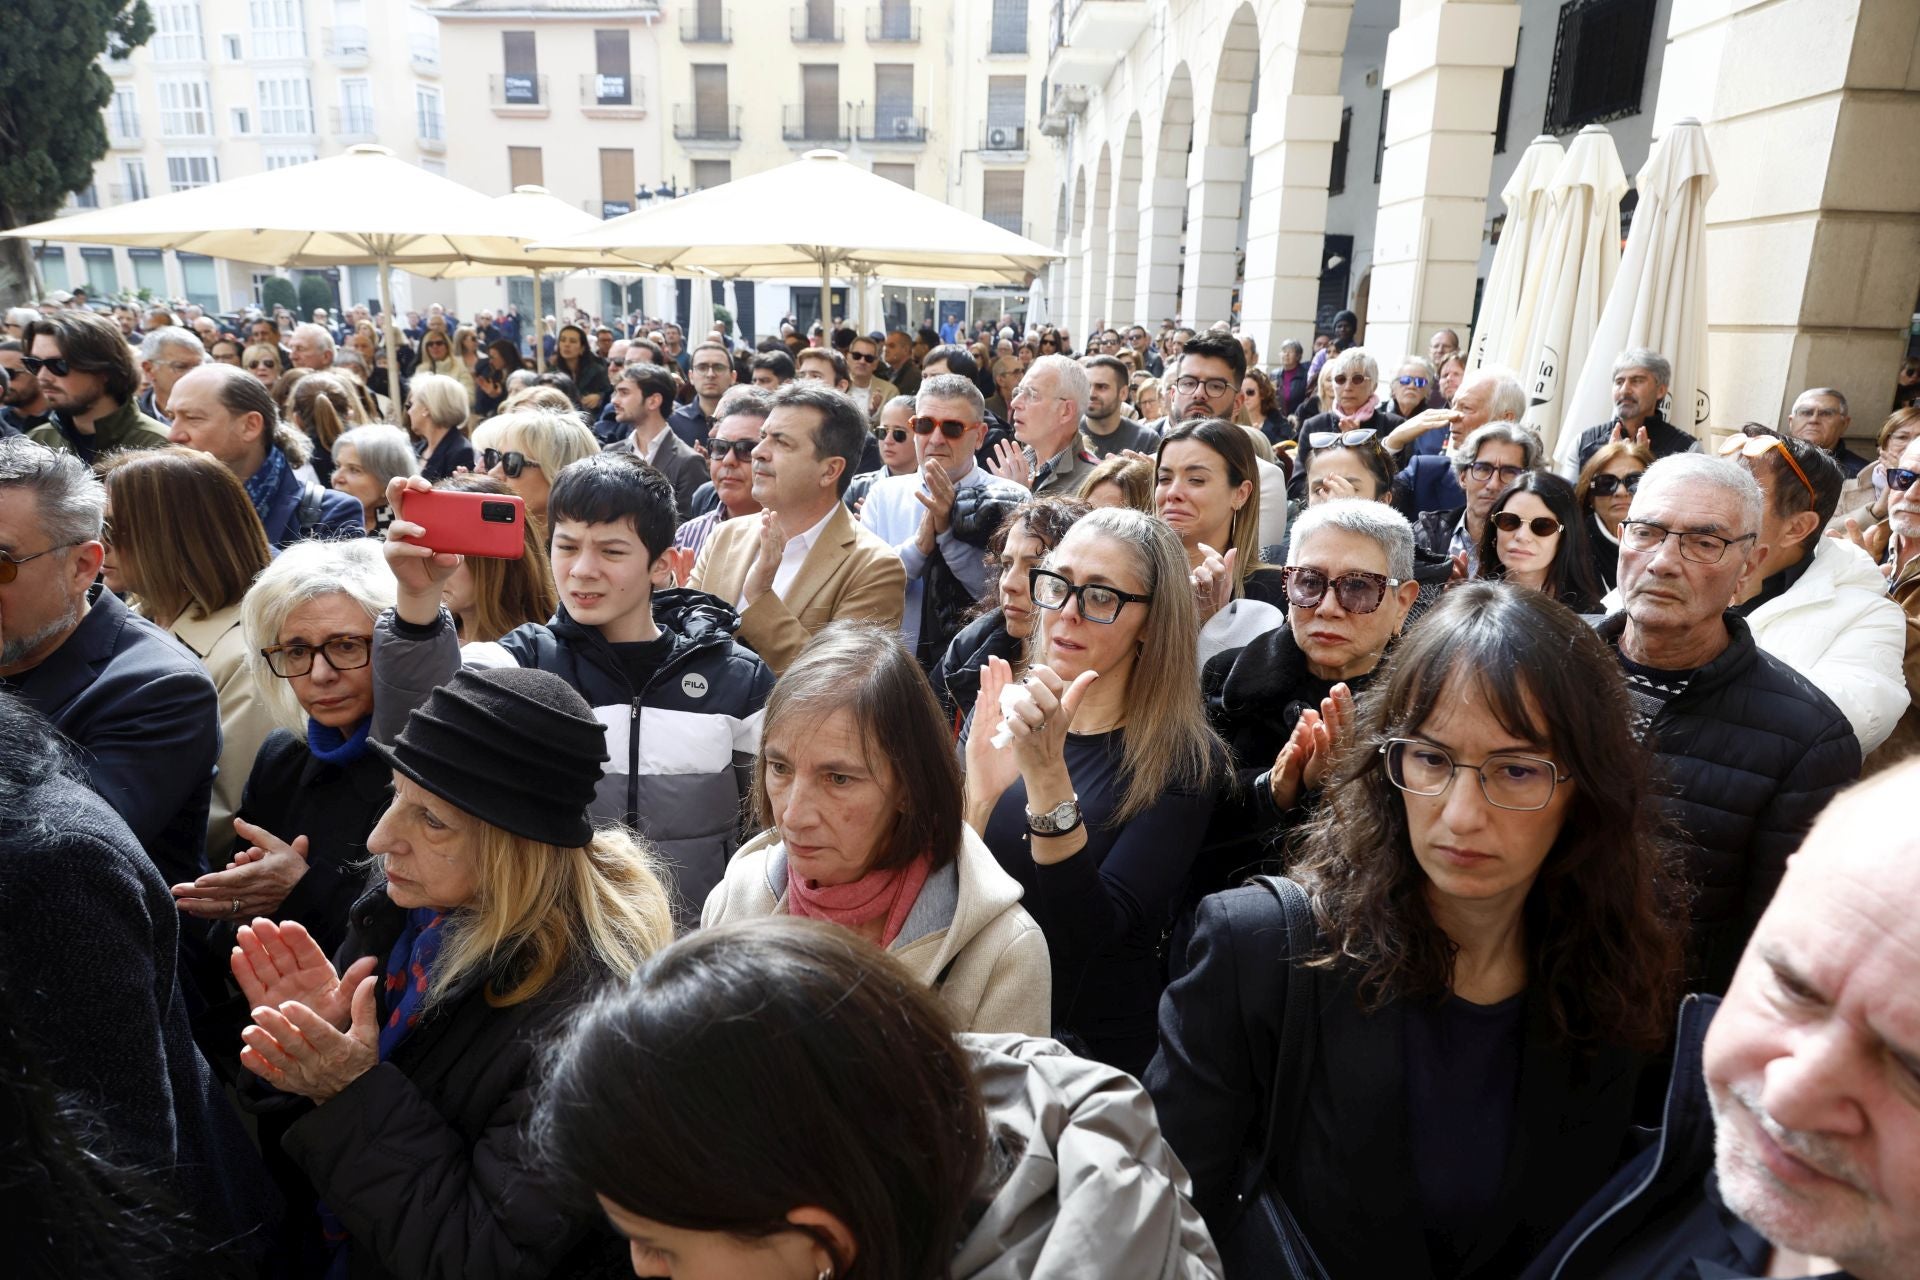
710 100
525 167
616 180
820 99
1003 197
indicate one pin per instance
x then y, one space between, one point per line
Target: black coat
956 677
1347 1178
423 1158
454 450
86 959
1747 756
1662 437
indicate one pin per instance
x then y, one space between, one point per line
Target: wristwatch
1057 821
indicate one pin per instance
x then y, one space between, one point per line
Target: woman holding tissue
1097 801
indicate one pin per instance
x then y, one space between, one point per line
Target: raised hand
258 879
772 543
276 963
1212 581
296 1050
1301 759
1039 715
419 573
989 769
1009 462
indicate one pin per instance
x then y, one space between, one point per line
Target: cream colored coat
967 936
221 645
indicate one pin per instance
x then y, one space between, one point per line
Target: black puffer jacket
423 1157
956 677
1748 755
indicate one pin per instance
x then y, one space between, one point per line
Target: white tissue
1003 736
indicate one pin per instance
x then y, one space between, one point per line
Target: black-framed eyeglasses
343 652
1485 471
1701 548
1899 479
1605 486
896 435
10 565
1356 591
951 428
864 357
1508 779
1343 439
1098 602
718 450
58 366
511 463
1539 526
1213 386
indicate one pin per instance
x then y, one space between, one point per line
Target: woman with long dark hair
490 376
1604 493
1535 537
1492 960
574 357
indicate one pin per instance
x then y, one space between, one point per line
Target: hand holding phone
489 525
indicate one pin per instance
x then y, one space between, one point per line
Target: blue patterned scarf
409 974
264 483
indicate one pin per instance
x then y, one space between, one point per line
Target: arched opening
1163 205
1123 253
1216 179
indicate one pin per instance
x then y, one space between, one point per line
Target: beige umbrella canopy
821 214
1506 314
360 208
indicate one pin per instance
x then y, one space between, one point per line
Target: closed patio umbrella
1506 314
1659 297
1580 256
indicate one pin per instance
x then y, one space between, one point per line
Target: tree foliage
52 94
278 291
315 293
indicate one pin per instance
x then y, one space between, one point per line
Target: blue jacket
144 719
1429 484
340 514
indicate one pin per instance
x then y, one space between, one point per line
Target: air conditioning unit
903 126
1000 139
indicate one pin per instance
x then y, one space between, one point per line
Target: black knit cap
512 746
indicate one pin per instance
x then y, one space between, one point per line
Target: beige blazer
848 574
245 720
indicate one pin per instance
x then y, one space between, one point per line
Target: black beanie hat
514 747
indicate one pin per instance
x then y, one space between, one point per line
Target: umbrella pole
826 297
394 408
539 327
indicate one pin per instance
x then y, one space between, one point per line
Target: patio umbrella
1580 255
700 311
1659 297
821 214
1505 312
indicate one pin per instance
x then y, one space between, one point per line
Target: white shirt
791 557
651 454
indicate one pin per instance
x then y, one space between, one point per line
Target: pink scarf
1359 416
888 895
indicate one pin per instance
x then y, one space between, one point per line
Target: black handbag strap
1290 1068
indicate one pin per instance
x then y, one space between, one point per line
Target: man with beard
1640 381
23 405
86 372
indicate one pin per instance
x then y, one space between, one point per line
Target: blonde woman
499 912
437 355
1120 481
528 448
262 360
1099 798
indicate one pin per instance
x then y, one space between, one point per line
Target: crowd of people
943 804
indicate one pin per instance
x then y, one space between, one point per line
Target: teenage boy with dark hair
680 699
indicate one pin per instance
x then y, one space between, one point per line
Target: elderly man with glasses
1747 750
1490 459
165 354
1821 418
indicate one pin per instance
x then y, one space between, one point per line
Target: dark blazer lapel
68 671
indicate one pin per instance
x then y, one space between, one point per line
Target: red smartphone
490 525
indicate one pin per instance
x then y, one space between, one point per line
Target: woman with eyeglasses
1352 377
527 448
1534 537
897 457
1489 963
1411 386
262 360
225 351
1143 390
1092 776
1605 493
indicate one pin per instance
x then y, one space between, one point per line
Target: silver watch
1063 817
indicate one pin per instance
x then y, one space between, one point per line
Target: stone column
1157 291
1443 67
1067 306
1213 233
1123 262
1813 234
1093 277
1287 217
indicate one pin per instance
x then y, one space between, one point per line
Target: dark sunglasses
1345 439
719 450
896 435
10 565
1899 479
1357 592
1510 522
18 373
1605 486
951 428
511 464
58 366
864 357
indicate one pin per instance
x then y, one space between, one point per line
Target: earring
825 1274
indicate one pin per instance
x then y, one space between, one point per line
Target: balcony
613 97
891 123
351 124
604 209
1088 38
1004 142
893 24
518 95
346 46
701 25
424 51
815 26
124 135
714 126
800 124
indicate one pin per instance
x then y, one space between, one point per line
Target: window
52 263
133 179
149 271
1003 197
279 28
711 173
524 167
102 280
820 100
613 68
230 48
1337 172
87 197
287 157
286 105
183 109
123 115
900 173
616 181
521 84
201 281
1380 143
710 103
356 107
893 102
1506 109
426 113
184 173
1009 27
239 120
176 32
423 38
1599 62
